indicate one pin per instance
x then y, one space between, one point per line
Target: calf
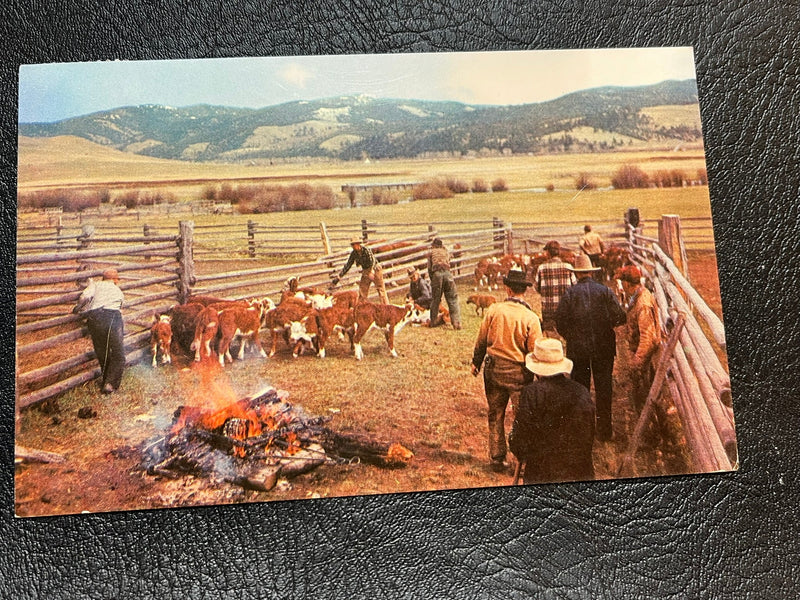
388 317
481 302
244 323
304 333
204 300
205 330
183 319
422 316
161 339
279 320
612 260
338 318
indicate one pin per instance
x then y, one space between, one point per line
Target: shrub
129 199
209 193
479 186
663 178
499 185
257 199
628 177
456 186
431 190
68 200
584 182
382 197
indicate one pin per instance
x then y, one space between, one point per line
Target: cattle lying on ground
481 302
161 339
387 317
422 316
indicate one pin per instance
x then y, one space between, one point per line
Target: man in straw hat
100 303
586 317
553 429
419 289
508 332
553 279
371 270
644 330
442 282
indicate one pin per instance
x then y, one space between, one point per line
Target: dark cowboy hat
437 243
516 278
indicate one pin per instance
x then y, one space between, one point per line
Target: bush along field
425 400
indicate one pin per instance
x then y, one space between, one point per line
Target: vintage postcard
258 279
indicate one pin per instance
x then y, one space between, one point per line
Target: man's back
586 317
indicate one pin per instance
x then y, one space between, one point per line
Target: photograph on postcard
258 279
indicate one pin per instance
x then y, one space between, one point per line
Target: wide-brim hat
583 264
547 358
411 271
516 278
356 240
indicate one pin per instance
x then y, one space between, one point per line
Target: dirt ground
425 400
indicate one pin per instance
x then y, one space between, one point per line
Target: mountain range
357 127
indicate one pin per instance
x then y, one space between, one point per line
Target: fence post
509 240
498 235
364 232
251 238
147 233
326 242
85 237
186 260
671 241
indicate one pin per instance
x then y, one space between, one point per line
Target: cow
388 317
204 300
568 256
337 318
279 319
304 333
348 298
482 272
183 319
422 316
244 323
205 331
613 259
481 302
161 339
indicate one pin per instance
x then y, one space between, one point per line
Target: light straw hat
547 358
583 264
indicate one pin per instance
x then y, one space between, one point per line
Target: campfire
253 441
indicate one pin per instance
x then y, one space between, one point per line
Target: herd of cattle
305 318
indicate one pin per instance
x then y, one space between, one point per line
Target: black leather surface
725 536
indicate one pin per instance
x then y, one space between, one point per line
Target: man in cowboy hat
371 270
552 280
100 303
553 429
586 317
508 332
644 330
442 282
420 289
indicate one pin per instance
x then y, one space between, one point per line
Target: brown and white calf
205 330
481 302
183 320
239 322
161 339
422 316
279 320
387 317
336 319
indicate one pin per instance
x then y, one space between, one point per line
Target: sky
53 92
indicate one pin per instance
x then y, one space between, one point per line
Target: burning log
253 441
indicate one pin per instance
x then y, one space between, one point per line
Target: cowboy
644 330
100 304
592 245
371 271
419 290
553 430
586 317
507 334
442 281
552 280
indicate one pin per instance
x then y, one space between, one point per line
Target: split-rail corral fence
160 268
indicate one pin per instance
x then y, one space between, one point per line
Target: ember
252 441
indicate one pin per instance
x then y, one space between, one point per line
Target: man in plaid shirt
553 279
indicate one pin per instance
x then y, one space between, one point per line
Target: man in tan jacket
644 330
507 334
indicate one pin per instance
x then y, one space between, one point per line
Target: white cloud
295 74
